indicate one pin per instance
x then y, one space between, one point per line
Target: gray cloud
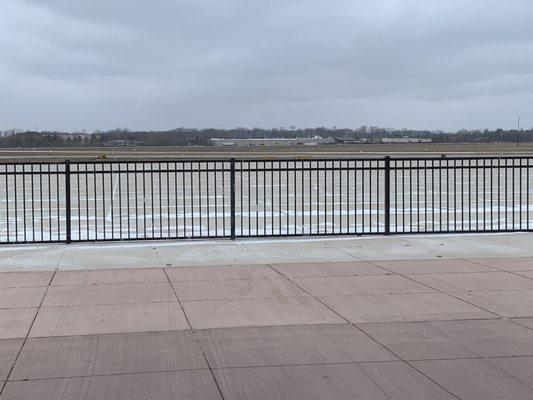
73 64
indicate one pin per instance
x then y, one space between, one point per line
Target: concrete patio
400 317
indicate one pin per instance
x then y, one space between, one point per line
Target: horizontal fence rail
141 200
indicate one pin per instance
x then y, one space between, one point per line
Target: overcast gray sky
160 64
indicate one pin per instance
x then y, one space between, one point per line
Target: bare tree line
201 137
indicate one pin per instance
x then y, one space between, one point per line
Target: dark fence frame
64 181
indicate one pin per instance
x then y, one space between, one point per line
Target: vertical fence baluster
68 202
232 197
387 195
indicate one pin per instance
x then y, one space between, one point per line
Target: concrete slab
15 323
289 345
102 256
432 266
277 252
86 295
236 289
453 339
221 272
102 277
470 245
393 248
521 240
187 385
506 303
9 349
282 250
31 258
527 274
116 318
24 297
403 307
24 279
76 356
508 263
204 253
358 285
258 312
503 245
376 381
474 281
315 269
489 379
527 322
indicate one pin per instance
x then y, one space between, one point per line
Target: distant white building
405 139
317 140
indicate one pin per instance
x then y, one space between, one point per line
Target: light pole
518 133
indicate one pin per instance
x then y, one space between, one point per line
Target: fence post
387 195
232 196
68 202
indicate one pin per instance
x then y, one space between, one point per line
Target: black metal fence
119 200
